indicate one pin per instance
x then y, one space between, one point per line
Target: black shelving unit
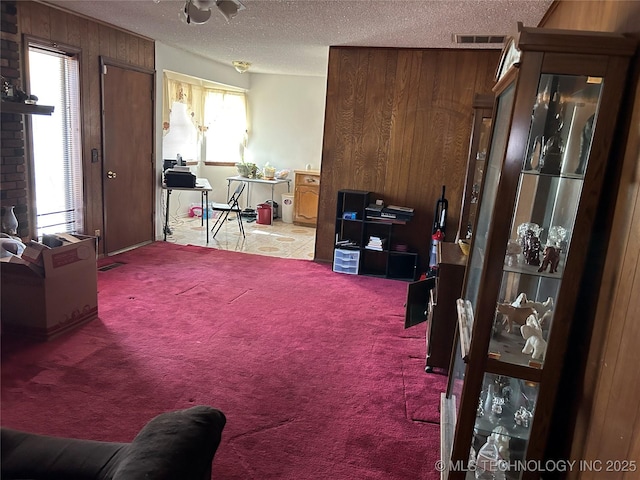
353 231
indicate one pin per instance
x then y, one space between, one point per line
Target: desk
249 181
204 187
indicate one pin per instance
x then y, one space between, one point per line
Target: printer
179 176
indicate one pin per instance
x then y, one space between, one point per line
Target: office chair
226 208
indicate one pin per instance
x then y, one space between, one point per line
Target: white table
204 187
249 181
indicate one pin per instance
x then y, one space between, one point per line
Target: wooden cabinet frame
516 193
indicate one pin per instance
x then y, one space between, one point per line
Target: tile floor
281 239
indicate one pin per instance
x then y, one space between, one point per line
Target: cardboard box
45 301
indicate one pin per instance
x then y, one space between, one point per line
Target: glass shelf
508 347
525 308
492 401
505 410
524 269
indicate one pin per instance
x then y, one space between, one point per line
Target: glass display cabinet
557 99
480 131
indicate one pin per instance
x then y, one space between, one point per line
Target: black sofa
174 445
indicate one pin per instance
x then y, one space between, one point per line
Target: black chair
226 208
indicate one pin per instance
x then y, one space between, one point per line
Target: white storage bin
287 207
346 261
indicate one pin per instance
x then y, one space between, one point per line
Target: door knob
111 174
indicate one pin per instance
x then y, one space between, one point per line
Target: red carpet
313 369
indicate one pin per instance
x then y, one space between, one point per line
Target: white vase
9 221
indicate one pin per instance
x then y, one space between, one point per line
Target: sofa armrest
178 444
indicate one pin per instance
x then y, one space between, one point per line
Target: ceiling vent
478 39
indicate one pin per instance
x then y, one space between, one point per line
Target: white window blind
57 157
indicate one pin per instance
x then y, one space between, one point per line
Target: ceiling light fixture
199 11
240 66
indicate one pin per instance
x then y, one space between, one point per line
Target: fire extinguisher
438 231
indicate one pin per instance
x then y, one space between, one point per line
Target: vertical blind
57 156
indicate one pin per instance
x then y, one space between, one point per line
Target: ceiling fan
199 11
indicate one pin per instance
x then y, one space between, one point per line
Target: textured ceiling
293 36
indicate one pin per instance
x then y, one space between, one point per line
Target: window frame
204 134
28 42
205 86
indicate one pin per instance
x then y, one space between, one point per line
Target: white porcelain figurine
544 309
513 314
532 332
501 437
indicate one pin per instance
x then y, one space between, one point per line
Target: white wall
286 121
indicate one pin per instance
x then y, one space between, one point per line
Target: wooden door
306 199
127 99
305 203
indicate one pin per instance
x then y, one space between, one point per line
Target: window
218 114
56 153
182 138
225 122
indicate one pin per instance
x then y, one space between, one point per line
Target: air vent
478 39
110 266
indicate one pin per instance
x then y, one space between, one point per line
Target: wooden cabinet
557 99
442 317
305 200
433 299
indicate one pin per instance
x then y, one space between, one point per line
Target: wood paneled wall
607 406
398 124
94 40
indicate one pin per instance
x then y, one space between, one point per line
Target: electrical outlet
96 233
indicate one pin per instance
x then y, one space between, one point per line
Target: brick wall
13 172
